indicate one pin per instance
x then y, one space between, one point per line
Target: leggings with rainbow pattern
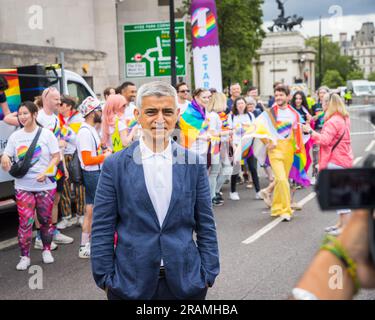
27 203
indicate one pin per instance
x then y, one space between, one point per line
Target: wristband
334 246
3 97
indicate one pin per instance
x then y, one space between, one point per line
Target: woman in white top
216 105
35 191
240 120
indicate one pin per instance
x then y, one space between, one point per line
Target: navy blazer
122 204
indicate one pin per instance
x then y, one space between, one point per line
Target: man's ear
136 113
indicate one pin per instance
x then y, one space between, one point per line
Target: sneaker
73 221
219 197
63 224
39 245
47 257
62 239
84 251
266 197
249 186
23 264
296 206
234 196
286 217
335 232
313 181
216 202
258 196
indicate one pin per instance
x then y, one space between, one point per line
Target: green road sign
148 49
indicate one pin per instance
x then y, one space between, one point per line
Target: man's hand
271 146
306 128
62 144
41 177
355 239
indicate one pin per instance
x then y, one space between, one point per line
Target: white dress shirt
157 168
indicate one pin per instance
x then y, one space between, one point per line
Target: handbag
20 168
339 140
75 170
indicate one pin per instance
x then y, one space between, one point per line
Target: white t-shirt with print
88 140
214 122
129 111
183 106
286 116
47 145
238 123
50 122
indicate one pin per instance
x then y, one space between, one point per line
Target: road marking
307 199
364 133
11 242
356 160
263 231
369 147
274 223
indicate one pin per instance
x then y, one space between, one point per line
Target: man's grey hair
155 89
323 88
250 100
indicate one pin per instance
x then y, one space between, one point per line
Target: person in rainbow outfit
279 136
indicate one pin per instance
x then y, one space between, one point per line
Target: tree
371 76
240 35
355 75
333 79
332 58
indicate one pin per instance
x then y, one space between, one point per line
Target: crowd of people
298 136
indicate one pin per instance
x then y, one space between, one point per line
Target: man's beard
97 119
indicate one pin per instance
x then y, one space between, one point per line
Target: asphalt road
266 268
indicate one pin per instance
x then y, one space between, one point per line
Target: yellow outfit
281 159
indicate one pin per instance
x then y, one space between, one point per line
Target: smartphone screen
346 188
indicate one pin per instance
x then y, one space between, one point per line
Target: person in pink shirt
335 146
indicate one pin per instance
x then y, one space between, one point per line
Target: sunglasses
184 91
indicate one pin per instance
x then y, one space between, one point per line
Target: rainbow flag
224 121
215 145
54 173
13 93
66 133
131 123
298 170
192 124
75 126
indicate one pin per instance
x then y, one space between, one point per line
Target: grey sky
312 9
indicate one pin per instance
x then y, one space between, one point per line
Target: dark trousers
252 164
162 293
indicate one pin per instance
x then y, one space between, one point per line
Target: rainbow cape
265 127
192 124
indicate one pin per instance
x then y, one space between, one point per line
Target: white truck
359 87
67 82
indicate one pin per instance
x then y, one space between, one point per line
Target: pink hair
112 108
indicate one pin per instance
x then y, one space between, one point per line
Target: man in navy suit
155 194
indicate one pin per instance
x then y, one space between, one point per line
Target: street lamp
172 36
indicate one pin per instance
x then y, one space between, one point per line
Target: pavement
261 258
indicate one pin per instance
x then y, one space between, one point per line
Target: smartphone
346 188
